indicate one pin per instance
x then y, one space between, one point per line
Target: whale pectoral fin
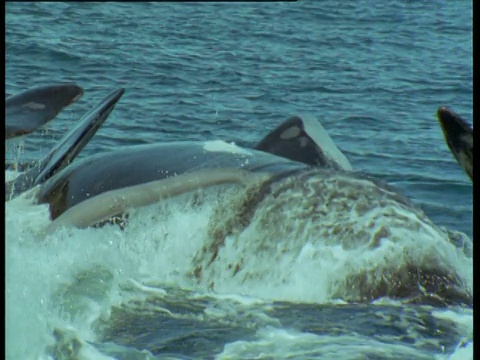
306 141
459 138
66 149
33 108
75 140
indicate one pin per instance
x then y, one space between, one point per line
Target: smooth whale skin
33 108
459 138
113 202
145 163
66 149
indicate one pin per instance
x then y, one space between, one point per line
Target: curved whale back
66 149
31 109
145 163
305 140
459 138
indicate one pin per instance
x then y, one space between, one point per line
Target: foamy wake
340 237
317 239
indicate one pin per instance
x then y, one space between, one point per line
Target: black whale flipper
33 108
67 148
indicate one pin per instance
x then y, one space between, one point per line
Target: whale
136 165
458 135
294 179
66 149
33 108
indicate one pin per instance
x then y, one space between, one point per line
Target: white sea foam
287 344
305 243
72 277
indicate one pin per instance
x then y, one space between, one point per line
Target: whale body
294 184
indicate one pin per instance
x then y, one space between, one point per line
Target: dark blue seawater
373 73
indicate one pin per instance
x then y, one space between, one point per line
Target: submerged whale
459 137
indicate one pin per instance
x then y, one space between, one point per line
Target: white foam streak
288 344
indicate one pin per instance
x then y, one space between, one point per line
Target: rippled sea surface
372 73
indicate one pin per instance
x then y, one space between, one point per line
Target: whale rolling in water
459 137
295 169
136 165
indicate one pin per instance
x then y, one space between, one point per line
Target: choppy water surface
373 74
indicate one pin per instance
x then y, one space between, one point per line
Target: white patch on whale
222 146
290 133
34 106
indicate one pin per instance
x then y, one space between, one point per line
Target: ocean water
373 74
